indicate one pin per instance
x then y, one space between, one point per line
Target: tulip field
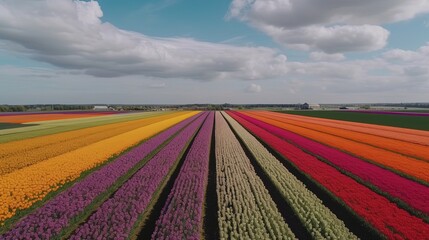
211 175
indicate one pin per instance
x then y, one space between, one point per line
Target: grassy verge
4 125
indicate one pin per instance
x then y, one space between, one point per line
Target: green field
14 132
413 122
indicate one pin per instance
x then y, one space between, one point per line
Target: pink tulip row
317 219
411 192
390 220
181 216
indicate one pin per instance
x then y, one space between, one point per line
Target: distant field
48 116
213 175
413 122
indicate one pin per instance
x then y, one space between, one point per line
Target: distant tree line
43 107
12 108
157 107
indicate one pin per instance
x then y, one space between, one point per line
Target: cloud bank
331 26
70 34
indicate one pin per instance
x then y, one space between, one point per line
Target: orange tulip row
404 164
26 118
18 154
403 134
22 188
341 130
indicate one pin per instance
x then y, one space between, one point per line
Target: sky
203 51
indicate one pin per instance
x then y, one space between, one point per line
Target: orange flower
404 164
28 185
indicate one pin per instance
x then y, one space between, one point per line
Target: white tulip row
246 210
316 217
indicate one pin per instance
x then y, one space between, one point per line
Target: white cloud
324 57
254 88
402 55
300 13
331 26
70 34
335 39
370 80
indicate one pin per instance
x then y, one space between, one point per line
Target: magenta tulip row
413 193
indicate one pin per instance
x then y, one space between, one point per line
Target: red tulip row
375 209
410 192
319 221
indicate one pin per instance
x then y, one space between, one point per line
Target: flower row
385 216
394 145
50 219
23 187
403 134
246 210
404 164
181 216
316 217
411 192
117 216
18 154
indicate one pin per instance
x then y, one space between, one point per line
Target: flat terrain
413 122
213 175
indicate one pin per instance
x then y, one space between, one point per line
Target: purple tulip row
116 217
181 216
48 220
415 114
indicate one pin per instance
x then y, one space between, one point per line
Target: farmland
394 120
214 175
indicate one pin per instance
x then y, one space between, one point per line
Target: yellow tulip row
22 188
19 154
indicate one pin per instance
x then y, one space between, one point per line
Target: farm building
314 106
307 106
101 108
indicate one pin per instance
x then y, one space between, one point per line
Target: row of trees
13 108
50 107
